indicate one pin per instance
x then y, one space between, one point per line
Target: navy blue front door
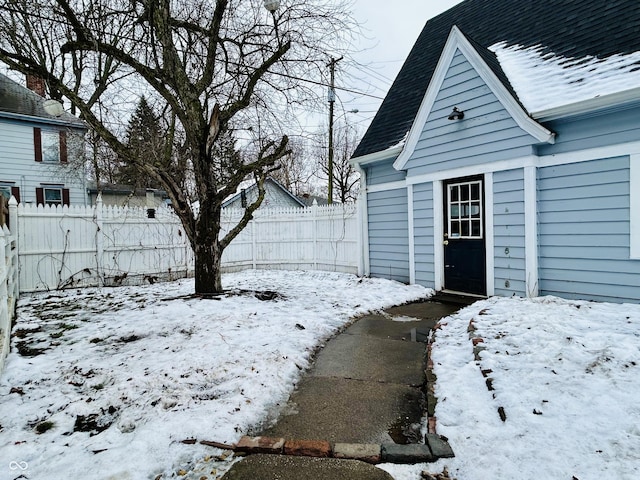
464 236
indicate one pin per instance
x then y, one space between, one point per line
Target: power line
314 82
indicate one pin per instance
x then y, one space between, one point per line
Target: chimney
36 83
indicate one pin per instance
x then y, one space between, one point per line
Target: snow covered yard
566 373
106 383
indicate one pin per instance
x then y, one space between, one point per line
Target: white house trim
488 229
473 170
586 155
412 238
634 207
364 267
589 105
457 41
530 231
388 154
438 235
383 187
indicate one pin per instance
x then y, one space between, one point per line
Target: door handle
446 242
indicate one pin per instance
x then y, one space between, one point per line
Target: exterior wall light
456 114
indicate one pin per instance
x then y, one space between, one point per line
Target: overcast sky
391 28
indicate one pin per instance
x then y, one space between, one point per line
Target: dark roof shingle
19 100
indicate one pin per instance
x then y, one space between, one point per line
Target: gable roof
575 29
492 78
250 186
17 101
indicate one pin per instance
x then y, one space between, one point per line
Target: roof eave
589 105
50 121
386 154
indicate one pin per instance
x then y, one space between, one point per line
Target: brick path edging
434 448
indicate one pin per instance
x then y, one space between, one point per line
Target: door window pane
475 191
453 190
464 192
465 210
475 228
455 211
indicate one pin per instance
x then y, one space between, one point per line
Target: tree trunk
208 256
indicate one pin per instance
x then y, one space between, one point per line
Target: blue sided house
505 159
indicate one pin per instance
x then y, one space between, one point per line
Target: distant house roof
250 186
118 189
17 101
309 199
545 52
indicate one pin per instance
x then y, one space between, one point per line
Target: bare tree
296 169
217 66
346 180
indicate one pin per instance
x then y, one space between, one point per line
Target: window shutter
65 196
37 144
15 191
63 147
39 196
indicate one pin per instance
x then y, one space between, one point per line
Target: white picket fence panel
62 247
8 282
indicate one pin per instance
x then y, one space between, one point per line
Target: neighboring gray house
39 142
276 196
125 195
505 159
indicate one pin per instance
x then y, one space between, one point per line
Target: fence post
314 214
13 221
5 315
13 216
254 241
99 239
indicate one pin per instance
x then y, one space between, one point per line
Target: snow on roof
545 81
401 142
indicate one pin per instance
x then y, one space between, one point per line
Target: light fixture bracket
456 114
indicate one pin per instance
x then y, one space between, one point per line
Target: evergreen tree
145 142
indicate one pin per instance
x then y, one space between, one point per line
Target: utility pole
332 100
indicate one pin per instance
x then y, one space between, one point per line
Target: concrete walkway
366 387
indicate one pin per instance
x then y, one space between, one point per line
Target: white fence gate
62 247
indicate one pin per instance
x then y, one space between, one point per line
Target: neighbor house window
5 191
52 195
50 145
8 189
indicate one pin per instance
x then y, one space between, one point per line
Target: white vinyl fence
8 283
62 247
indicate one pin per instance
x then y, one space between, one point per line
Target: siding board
389 234
584 231
383 172
423 234
509 233
18 163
